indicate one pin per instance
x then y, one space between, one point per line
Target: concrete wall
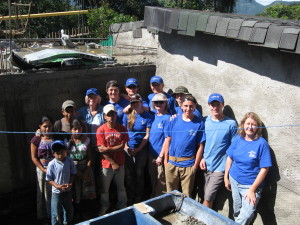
25 98
251 78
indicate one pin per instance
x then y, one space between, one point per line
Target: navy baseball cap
131 81
215 97
92 91
156 79
57 145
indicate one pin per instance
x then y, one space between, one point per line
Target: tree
100 19
282 11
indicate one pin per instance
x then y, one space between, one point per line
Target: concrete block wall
25 98
250 78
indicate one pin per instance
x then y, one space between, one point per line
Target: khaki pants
180 176
158 179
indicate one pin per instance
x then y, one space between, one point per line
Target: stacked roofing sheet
266 32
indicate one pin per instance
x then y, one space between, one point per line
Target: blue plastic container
162 205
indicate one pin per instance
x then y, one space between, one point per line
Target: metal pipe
38 15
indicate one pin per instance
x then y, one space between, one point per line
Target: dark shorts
213 182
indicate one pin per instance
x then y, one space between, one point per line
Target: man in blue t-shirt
183 148
157 86
219 131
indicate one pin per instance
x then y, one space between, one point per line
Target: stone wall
250 78
25 98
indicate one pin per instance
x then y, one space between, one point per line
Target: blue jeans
108 175
61 204
242 210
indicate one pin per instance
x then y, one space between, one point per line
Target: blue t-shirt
138 132
92 122
60 172
171 103
120 105
179 111
185 137
219 135
248 158
157 134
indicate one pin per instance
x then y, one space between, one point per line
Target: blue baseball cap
131 81
57 145
215 97
92 91
156 79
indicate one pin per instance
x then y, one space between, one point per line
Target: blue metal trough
173 202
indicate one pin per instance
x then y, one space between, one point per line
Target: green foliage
291 12
100 19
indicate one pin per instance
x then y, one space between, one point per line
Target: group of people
122 138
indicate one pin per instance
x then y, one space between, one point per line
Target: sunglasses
159 102
132 87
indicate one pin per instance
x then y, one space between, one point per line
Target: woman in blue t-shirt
156 140
138 123
247 165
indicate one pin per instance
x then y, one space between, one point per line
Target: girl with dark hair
41 155
79 150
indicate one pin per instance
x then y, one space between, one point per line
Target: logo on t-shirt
113 139
252 154
119 112
160 125
143 122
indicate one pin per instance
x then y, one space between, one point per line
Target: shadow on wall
275 64
267 203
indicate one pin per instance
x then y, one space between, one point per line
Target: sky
267 2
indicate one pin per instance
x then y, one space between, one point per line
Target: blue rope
24 132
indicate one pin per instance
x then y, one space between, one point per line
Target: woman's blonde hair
255 117
86 99
131 119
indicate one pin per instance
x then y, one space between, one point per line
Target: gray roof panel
192 24
183 22
202 22
245 33
249 23
222 26
167 21
174 19
273 36
298 45
262 25
212 24
258 35
234 28
288 41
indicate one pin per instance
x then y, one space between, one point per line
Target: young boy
60 174
219 131
63 125
157 86
111 139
